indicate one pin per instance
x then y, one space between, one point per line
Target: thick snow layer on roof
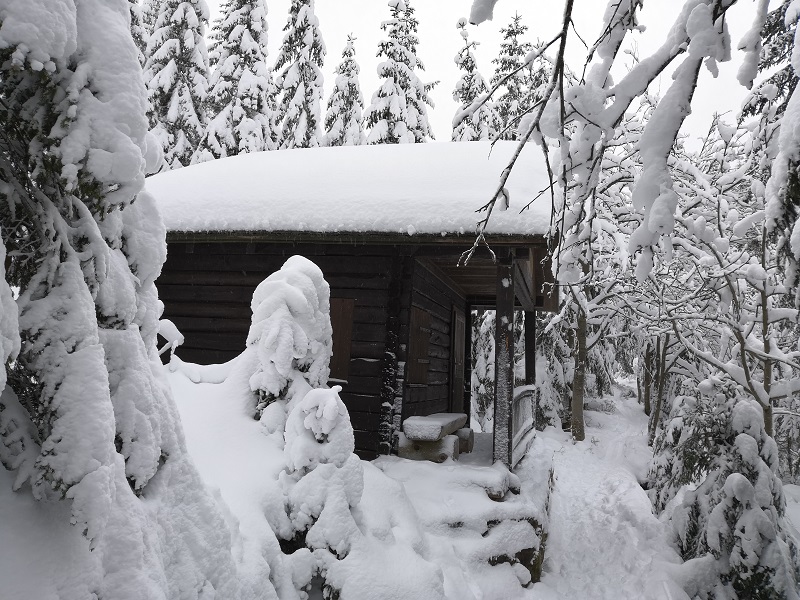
412 189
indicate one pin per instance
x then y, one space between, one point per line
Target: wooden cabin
387 225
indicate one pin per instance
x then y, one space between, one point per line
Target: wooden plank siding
432 295
207 288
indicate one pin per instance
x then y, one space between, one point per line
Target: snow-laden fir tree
241 100
344 122
138 29
176 73
471 123
397 113
521 80
150 10
729 525
300 81
87 422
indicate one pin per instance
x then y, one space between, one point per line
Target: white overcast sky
440 42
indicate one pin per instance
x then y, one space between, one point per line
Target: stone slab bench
433 428
436 451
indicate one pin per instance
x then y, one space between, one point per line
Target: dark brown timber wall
207 287
427 325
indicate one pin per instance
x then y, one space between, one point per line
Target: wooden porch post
504 359
467 405
530 347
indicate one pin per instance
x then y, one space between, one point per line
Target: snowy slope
405 188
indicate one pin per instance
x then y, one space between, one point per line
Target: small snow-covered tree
730 528
344 124
290 336
471 124
300 82
397 112
176 74
323 479
241 100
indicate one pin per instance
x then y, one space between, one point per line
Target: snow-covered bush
323 480
290 334
729 527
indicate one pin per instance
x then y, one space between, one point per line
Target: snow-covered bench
435 437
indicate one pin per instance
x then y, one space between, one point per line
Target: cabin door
457 349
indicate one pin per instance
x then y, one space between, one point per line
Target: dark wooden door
457 348
342 325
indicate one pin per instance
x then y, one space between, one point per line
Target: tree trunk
648 377
661 378
768 420
579 380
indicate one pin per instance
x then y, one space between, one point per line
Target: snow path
604 540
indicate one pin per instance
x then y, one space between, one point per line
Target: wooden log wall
431 294
207 288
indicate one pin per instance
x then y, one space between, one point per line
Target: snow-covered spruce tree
149 15
397 113
730 528
520 81
138 29
86 419
344 124
289 338
471 124
300 81
240 104
482 377
176 74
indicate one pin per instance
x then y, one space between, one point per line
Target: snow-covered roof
411 189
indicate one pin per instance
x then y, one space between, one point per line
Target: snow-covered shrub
291 334
729 528
323 479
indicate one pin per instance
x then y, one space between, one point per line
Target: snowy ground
604 540
425 526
